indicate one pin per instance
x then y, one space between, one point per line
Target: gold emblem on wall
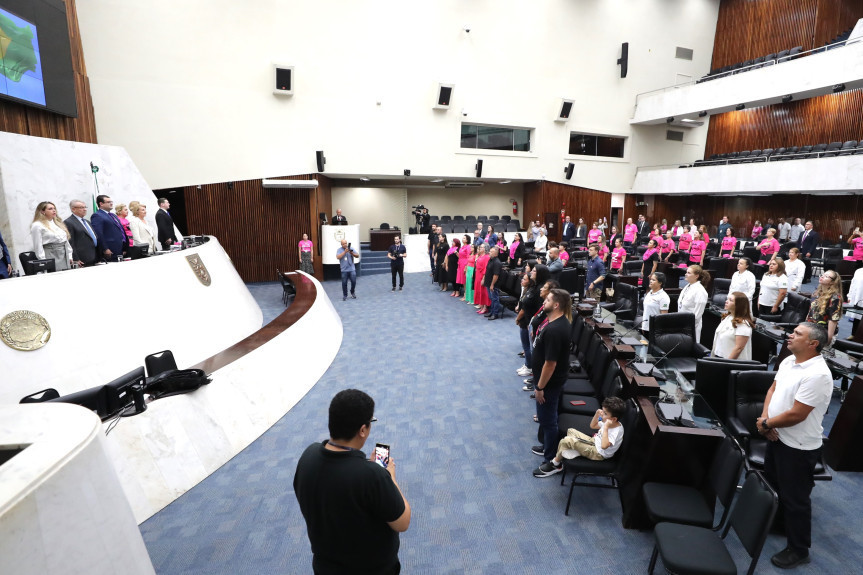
339 235
199 268
24 330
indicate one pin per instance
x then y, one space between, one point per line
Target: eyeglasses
372 420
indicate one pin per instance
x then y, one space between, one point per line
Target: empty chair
445 218
848 148
493 218
777 155
511 227
832 150
781 55
741 157
482 218
458 218
751 157
817 150
769 59
506 218
794 51
384 226
158 363
499 227
765 154
720 291
674 334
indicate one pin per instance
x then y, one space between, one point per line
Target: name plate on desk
584 309
604 328
645 385
625 351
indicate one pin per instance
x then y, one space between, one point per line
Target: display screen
20 60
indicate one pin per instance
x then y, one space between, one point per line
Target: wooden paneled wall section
260 227
20 119
546 197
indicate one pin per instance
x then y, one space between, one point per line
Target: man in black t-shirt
490 282
432 244
550 369
353 507
397 254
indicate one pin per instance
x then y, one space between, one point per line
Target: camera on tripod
417 210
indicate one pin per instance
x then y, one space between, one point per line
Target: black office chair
674 333
625 303
159 363
588 404
720 291
40 396
608 468
712 380
694 550
686 505
384 226
795 311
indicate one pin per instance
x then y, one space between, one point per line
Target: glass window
495 138
591 145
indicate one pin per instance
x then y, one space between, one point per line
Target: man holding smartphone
353 507
346 255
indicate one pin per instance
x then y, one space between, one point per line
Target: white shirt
796 230
725 339
855 292
743 282
693 299
615 435
770 286
48 233
810 383
677 231
784 230
143 234
794 269
539 243
654 304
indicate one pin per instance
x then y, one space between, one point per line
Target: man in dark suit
81 235
642 227
339 219
112 240
568 230
809 240
165 224
5 260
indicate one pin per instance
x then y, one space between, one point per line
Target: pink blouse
769 247
594 236
617 255
305 245
629 232
564 256
667 246
857 244
696 250
756 231
685 241
729 243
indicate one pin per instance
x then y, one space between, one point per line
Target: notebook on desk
673 414
633 341
647 370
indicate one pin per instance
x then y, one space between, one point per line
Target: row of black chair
848 148
465 227
760 62
484 219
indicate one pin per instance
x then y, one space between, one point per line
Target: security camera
467 29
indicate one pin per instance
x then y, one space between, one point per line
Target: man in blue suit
568 230
109 230
5 260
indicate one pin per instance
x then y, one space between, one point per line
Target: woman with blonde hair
50 236
142 233
733 339
122 215
826 306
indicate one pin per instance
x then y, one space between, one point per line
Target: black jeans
791 473
400 270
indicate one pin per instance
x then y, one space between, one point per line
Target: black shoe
538 450
494 317
345 298
547 469
521 354
789 558
394 288
533 396
400 288
527 388
529 381
353 296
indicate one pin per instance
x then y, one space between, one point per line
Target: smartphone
382 454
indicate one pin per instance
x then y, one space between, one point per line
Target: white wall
187 88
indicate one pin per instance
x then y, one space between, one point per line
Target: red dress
480 294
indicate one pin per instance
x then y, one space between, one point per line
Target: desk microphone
658 361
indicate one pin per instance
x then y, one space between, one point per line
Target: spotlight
669 119
702 113
739 107
407 172
838 88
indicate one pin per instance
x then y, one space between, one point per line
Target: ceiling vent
464 184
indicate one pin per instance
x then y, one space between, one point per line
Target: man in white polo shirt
791 420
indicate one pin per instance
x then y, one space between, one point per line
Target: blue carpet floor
449 403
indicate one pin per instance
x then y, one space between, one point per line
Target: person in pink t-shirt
769 247
685 241
667 247
594 235
696 250
702 229
603 252
618 255
564 253
729 242
756 229
307 256
655 234
856 242
629 231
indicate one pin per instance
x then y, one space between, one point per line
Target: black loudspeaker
569 169
565 110
322 161
284 79
323 217
478 168
624 59
444 96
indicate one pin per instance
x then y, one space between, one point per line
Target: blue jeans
494 296
547 415
353 276
525 345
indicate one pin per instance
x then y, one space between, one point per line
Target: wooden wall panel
544 197
832 216
747 30
20 119
834 117
259 227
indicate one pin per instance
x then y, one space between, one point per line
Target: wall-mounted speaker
568 170
564 110
321 160
444 96
284 79
478 168
624 59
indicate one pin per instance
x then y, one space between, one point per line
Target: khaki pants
573 440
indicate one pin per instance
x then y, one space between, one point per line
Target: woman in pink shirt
702 229
594 235
667 246
618 255
769 247
729 242
756 229
307 258
685 241
563 254
603 252
664 227
480 294
696 250
655 234
463 255
629 231
856 242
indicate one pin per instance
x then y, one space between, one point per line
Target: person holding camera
397 254
346 256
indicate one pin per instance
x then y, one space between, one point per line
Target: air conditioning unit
295 184
463 185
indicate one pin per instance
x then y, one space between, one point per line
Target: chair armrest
848 346
699 350
771 318
737 428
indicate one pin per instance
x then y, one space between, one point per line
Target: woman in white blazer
693 297
50 236
142 233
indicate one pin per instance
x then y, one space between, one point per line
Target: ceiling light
365 179
838 88
786 99
505 181
436 181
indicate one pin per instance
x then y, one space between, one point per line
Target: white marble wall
841 174
62 509
180 440
105 319
807 76
33 170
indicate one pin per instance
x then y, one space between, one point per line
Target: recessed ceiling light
365 179
436 181
505 181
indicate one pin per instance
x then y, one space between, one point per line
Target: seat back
712 380
672 332
725 471
611 382
384 226
720 291
157 363
577 329
632 266
40 396
626 297
746 392
753 515
568 280
584 343
796 308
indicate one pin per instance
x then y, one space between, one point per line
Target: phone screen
382 454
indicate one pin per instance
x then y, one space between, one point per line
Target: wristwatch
764 424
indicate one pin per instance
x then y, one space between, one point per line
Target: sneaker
789 558
394 289
538 450
521 354
345 298
527 388
524 371
529 381
353 296
547 469
569 454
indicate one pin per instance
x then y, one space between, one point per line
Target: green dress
468 282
